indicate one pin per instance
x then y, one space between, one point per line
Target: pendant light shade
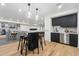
29 4
29 13
36 17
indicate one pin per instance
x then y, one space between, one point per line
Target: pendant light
29 13
36 17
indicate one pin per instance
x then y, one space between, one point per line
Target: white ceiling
10 10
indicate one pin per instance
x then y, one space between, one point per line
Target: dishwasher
61 38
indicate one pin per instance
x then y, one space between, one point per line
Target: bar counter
2 37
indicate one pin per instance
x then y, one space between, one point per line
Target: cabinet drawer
55 37
73 39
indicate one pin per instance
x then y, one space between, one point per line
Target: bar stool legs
38 46
21 38
21 48
26 48
41 43
23 45
19 44
33 51
44 42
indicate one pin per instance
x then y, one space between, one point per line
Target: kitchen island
34 39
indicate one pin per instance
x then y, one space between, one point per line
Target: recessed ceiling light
2 4
20 10
59 5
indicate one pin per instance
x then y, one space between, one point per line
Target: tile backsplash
61 29
71 30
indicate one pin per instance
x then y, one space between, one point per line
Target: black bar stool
40 40
30 42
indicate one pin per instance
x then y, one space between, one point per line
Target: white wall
78 27
63 13
47 28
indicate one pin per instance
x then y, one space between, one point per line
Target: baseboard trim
65 44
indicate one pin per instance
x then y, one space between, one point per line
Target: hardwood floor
51 49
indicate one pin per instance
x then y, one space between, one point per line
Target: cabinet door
65 21
73 39
72 21
69 20
56 22
53 22
55 37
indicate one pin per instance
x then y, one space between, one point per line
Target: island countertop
35 31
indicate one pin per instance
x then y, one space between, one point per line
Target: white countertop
36 31
64 33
